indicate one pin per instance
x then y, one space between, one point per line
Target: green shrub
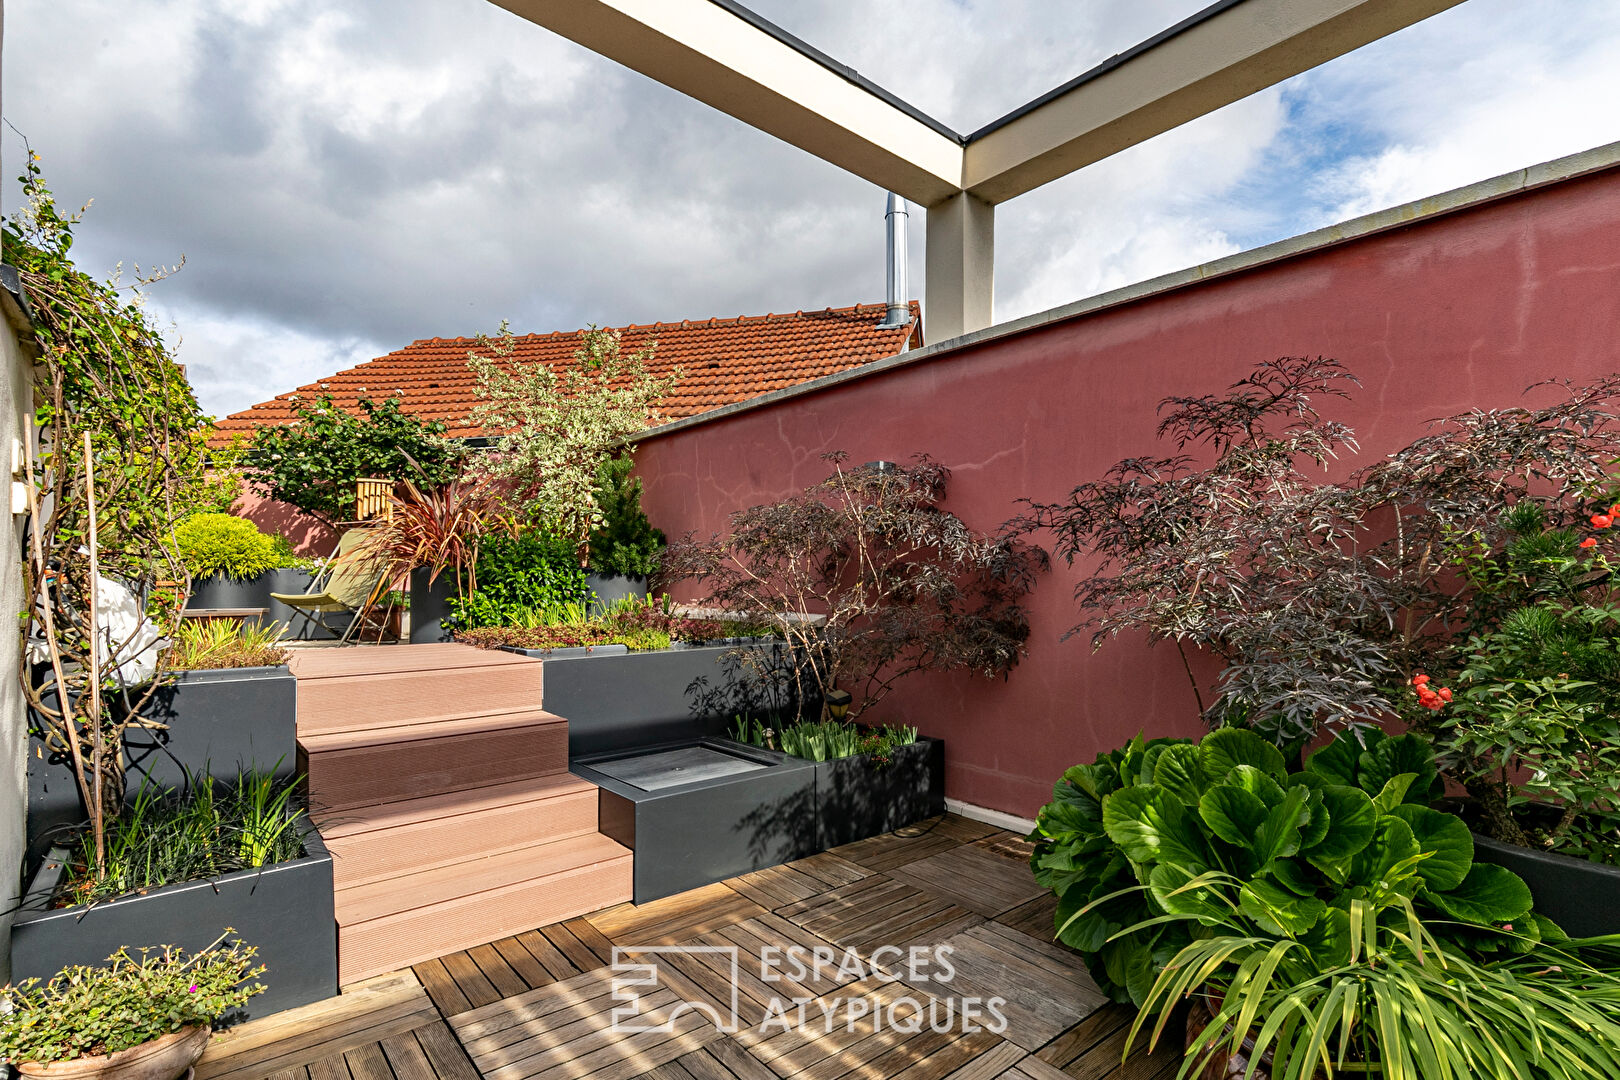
825 740
1127 839
226 544
212 644
626 542
87 1012
166 838
519 574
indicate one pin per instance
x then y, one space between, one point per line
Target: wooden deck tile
364 1014
1037 918
676 918
1044 989
898 848
879 911
1008 845
972 877
777 886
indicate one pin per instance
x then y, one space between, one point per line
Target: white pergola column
961 262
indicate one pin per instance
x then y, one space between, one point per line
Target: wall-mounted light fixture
837 702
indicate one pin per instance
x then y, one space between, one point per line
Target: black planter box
856 798
219 591
616 701
430 603
1582 897
285 910
691 834
222 721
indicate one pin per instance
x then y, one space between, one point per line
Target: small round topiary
226 544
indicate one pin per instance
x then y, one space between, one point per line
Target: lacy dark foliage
903 585
1318 597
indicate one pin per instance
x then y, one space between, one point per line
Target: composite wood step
308 665
383 701
459 906
397 838
382 769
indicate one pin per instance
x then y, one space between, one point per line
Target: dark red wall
1458 311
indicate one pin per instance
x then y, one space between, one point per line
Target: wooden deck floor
540 1005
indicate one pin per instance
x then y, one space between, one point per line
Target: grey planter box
222 721
686 835
617 701
856 798
1580 896
285 910
612 588
430 603
219 591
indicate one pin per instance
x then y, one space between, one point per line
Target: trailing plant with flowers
1534 728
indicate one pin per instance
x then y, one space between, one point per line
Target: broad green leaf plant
1129 841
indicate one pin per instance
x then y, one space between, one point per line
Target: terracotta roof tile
722 361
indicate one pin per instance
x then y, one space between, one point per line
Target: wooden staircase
442 790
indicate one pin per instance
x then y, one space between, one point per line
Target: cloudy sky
344 176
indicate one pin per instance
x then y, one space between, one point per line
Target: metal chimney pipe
899 313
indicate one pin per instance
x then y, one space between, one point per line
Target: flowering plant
91 1011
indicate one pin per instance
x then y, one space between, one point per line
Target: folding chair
348 583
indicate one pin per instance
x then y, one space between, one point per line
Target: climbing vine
120 458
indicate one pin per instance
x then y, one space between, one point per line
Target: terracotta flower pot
161 1059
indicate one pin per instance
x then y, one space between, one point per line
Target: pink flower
192 989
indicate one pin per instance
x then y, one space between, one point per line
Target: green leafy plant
824 740
121 458
1534 728
1125 835
211 828
559 426
314 462
226 544
626 542
210 644
1381 993
529 578
93 1011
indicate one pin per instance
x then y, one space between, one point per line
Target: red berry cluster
1430 699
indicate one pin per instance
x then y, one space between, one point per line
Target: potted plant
133 1019
228 704
234 565
1531 724
189 866
624 548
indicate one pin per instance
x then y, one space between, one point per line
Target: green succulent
1354 823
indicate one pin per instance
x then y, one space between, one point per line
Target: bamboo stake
97 749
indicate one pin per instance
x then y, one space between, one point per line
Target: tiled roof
722 361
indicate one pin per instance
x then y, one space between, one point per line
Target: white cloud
347 175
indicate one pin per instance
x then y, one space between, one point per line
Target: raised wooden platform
538 1005
441 788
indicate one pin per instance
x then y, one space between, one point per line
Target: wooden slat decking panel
444 1053
444 840
1084 1037
1037 918
830 869
973 878
675 918
374 703
406 1059
338 663
893 849
990 1064
368 1063
329 1068
343 780
409 937
412 811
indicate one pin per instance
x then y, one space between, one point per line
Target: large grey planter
1582 897
219 721
857 798
219 591
692 834
430 603
285 910
616 700
610 589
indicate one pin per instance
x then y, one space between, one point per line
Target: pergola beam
709 52
720 53
1220 56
